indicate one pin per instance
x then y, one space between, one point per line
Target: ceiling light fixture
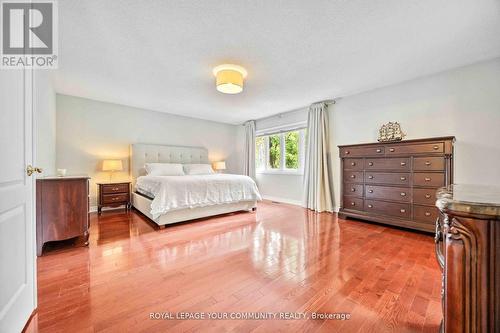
229 78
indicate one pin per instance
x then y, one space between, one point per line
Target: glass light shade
229 78
220 165
112 165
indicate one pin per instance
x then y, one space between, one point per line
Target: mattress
172 193
144 192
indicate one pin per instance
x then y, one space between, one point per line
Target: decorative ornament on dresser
390 132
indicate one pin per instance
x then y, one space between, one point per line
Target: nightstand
113 195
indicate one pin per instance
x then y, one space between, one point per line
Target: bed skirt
143 204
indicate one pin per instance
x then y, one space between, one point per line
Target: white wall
463 102
44 102
89 131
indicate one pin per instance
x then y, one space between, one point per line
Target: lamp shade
112 165
229 78
220 165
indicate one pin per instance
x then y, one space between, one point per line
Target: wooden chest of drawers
62 209
395 182
113 195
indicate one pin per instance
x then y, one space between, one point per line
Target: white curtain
249 161
317 191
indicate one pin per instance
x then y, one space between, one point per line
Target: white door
17 227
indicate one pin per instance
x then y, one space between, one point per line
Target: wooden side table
113 195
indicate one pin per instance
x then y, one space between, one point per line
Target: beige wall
463 102
89 131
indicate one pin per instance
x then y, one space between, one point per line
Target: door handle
31 170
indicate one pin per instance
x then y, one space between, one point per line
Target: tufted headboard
141 154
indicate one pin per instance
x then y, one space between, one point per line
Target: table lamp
112 166
219 166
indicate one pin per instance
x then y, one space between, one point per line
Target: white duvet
180 192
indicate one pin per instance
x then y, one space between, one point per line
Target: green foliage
291 140
274 151
292 150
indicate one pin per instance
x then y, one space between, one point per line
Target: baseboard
283 200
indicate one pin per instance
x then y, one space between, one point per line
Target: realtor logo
29 34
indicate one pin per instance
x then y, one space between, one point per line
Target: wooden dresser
396 182
62 209
468 251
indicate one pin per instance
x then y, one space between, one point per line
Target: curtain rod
279 115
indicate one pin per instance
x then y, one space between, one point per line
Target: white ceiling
159 54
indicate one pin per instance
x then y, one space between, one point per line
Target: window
280 153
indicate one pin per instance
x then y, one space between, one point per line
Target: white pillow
198 169
164 169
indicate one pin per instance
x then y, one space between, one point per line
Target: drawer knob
370 163
353 189
427 196
403 194
427 214
392 150
402 210
435 147
353 163
379 150
115 188
347 152
403 178
370 191
427 179
370 177
403 163
353 176
370 206
353 204
428 163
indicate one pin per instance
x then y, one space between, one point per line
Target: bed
161 198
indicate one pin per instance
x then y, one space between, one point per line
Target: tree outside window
274 151
281 152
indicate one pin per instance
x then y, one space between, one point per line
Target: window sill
280 172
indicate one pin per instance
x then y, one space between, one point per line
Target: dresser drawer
402 164
353 164
115 188
353 176
421 148
353 189
424 196
362 151
388 193
425 214
428 163
428 179
353 203
387 178
401 210
115 198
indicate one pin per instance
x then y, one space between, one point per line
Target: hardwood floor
281 258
